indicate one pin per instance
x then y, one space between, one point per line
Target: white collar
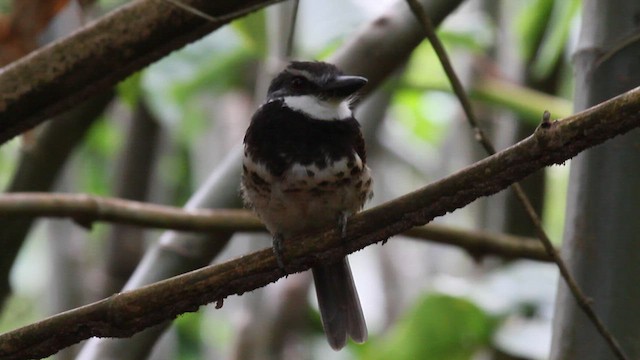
317 108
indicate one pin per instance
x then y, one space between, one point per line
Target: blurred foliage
97 154
8 159
416 111
437 327
424 67
252 30
527 103
411 104
175 169
557 178
531 22
19 310
556 34
424 74
178 87
130 90
188 327
182 88
5 6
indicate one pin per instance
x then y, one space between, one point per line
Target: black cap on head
315 78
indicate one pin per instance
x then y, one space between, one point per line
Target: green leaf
531 23
555 38
438 327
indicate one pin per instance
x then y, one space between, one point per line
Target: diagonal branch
578 294
101 54
129 312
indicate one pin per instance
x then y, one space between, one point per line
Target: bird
304 169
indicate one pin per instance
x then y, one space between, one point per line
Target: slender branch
129 312
375 51
480 136
85 209
103 53
90 208
479 243
38 169
456 84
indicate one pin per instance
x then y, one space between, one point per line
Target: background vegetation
170 130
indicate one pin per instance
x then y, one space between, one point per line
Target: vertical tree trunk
602 231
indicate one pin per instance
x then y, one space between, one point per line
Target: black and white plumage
304 169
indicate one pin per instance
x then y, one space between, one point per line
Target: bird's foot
278 248
342 224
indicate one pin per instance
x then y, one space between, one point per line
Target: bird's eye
297 83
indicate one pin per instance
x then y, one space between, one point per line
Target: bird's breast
306 196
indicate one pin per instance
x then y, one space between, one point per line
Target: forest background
473 284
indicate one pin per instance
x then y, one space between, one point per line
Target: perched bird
304 169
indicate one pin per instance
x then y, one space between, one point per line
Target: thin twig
479 243
88 209
480 136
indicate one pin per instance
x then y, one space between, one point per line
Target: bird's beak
344 86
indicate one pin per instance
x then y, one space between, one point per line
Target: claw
277 250
342 224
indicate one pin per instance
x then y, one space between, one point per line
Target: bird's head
316 88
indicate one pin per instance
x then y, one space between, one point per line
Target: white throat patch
319 109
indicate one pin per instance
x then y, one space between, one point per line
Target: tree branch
480 243
88 209
126 313
374 51
38 169
578 293
59 75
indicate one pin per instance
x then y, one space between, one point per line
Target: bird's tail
339 304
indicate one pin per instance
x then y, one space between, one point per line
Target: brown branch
129 312
101 54
576 291
479 243
88 209
385 42
38 169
